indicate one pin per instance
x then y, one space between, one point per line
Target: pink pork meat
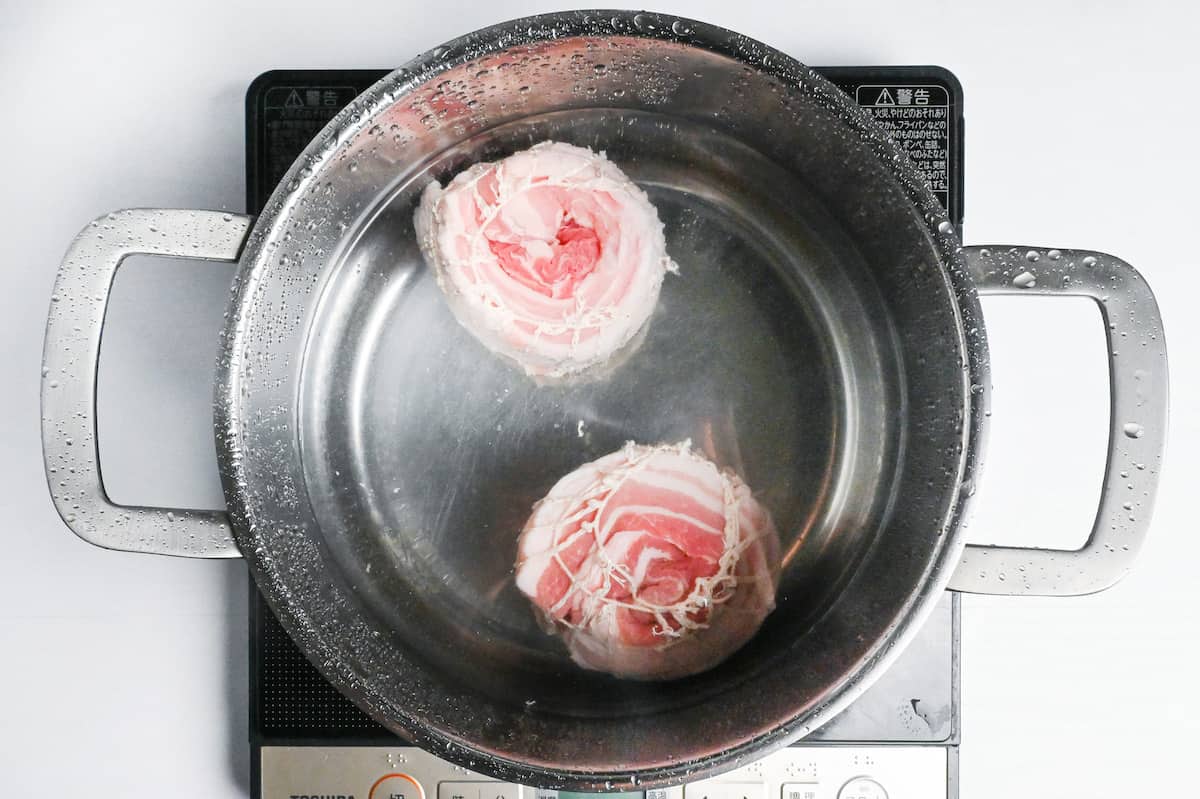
650 562
551 257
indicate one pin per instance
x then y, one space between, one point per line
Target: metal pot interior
385 461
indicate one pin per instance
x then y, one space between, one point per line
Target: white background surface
123 674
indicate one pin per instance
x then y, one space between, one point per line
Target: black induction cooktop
292 704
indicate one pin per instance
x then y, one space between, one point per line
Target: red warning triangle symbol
885 98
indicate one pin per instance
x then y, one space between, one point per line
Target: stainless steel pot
824 337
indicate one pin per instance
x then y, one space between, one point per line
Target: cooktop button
862 788
665 793
460 790
800 790
725 790
396 786
499 790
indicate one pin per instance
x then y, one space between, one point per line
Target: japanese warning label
918 118
292 116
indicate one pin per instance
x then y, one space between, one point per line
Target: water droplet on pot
1090 261
680 28
1127 505
944 226
642 23
1054 255
1032 255
1025 280
1133 430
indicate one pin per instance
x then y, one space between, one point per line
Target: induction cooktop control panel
828 772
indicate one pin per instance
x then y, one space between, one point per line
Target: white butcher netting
593 580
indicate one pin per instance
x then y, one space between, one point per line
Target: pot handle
69 364
1137 421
